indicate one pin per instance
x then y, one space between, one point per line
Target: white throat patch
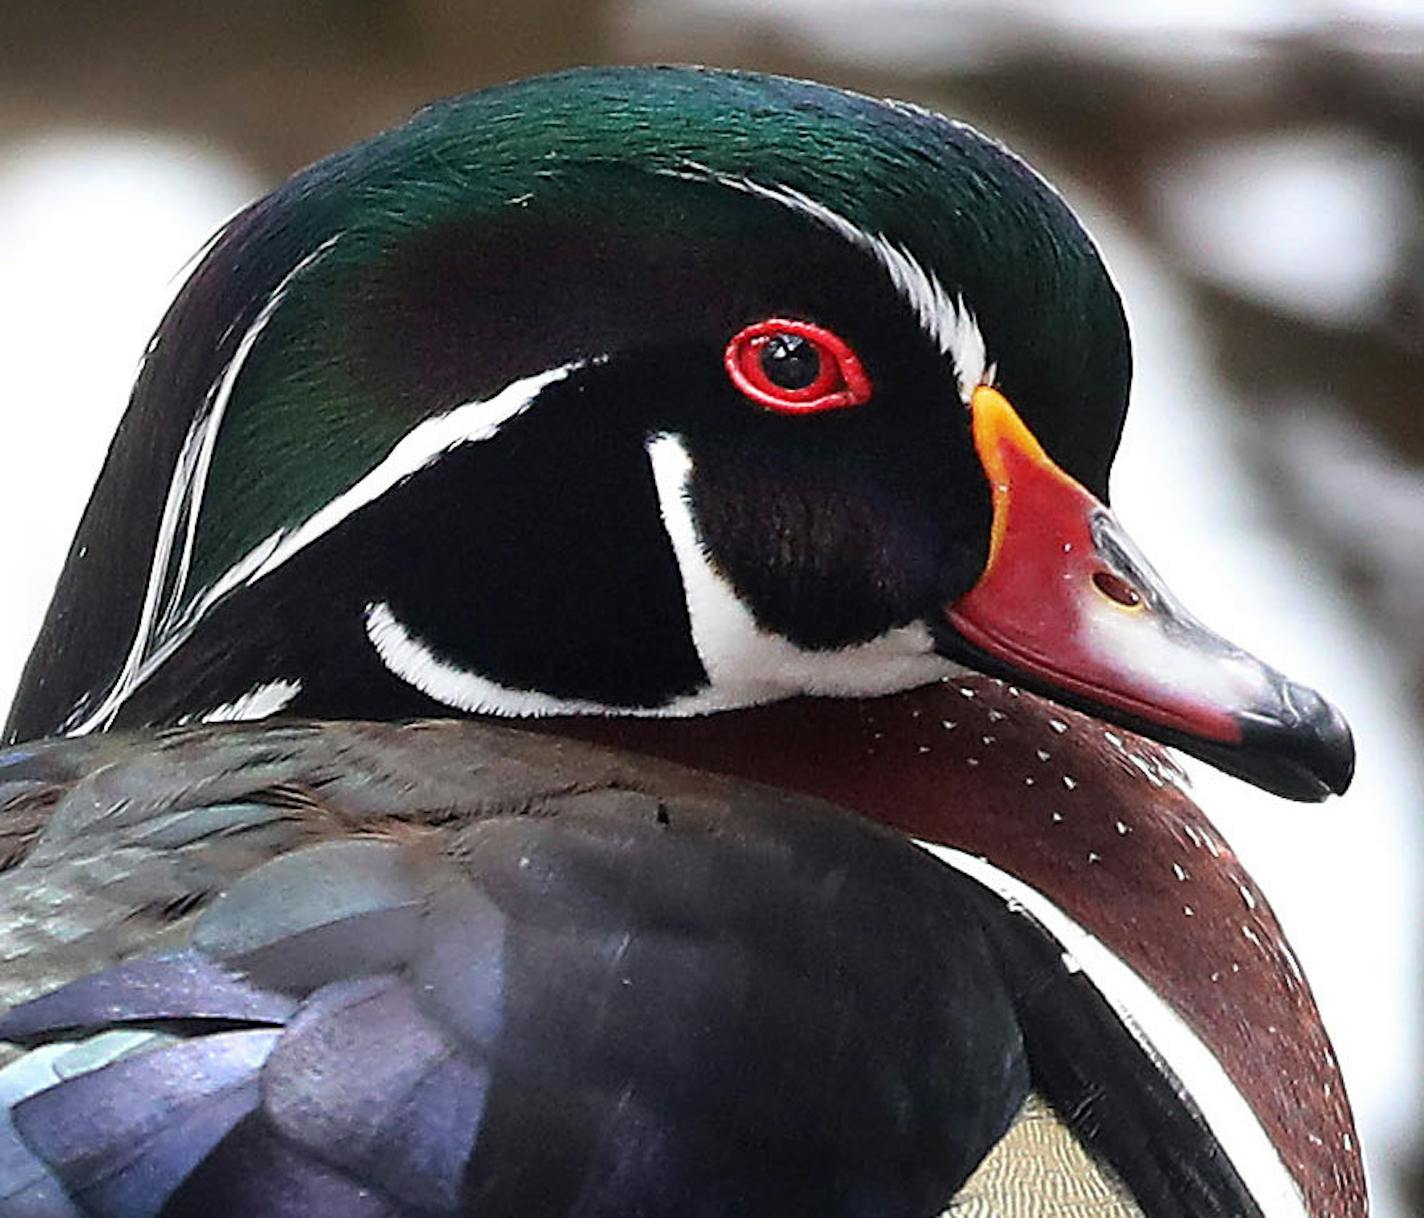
746 665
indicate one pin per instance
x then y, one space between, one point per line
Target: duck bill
1068 606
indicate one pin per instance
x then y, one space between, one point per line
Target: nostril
1115 588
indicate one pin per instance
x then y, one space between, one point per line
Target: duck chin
749 667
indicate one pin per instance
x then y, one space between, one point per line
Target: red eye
795 367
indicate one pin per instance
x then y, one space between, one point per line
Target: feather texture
421 974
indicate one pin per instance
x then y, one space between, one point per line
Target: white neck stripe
184 498
410 659
1192 1068
745 665
219 397
424 444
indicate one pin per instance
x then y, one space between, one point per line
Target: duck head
649 392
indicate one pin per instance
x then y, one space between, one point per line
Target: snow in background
95 232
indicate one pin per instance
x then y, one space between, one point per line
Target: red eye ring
839 380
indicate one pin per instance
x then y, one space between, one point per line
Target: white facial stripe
415 664
746 666
947 320
418 448
421 446
222 394
412 660
1187 1062
185 491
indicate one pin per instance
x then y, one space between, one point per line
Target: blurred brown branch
279 82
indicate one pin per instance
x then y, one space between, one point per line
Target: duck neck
1086 827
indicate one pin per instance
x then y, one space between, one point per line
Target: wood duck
746 441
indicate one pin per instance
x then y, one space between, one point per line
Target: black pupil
789 361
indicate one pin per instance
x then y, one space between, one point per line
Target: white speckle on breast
1144 766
